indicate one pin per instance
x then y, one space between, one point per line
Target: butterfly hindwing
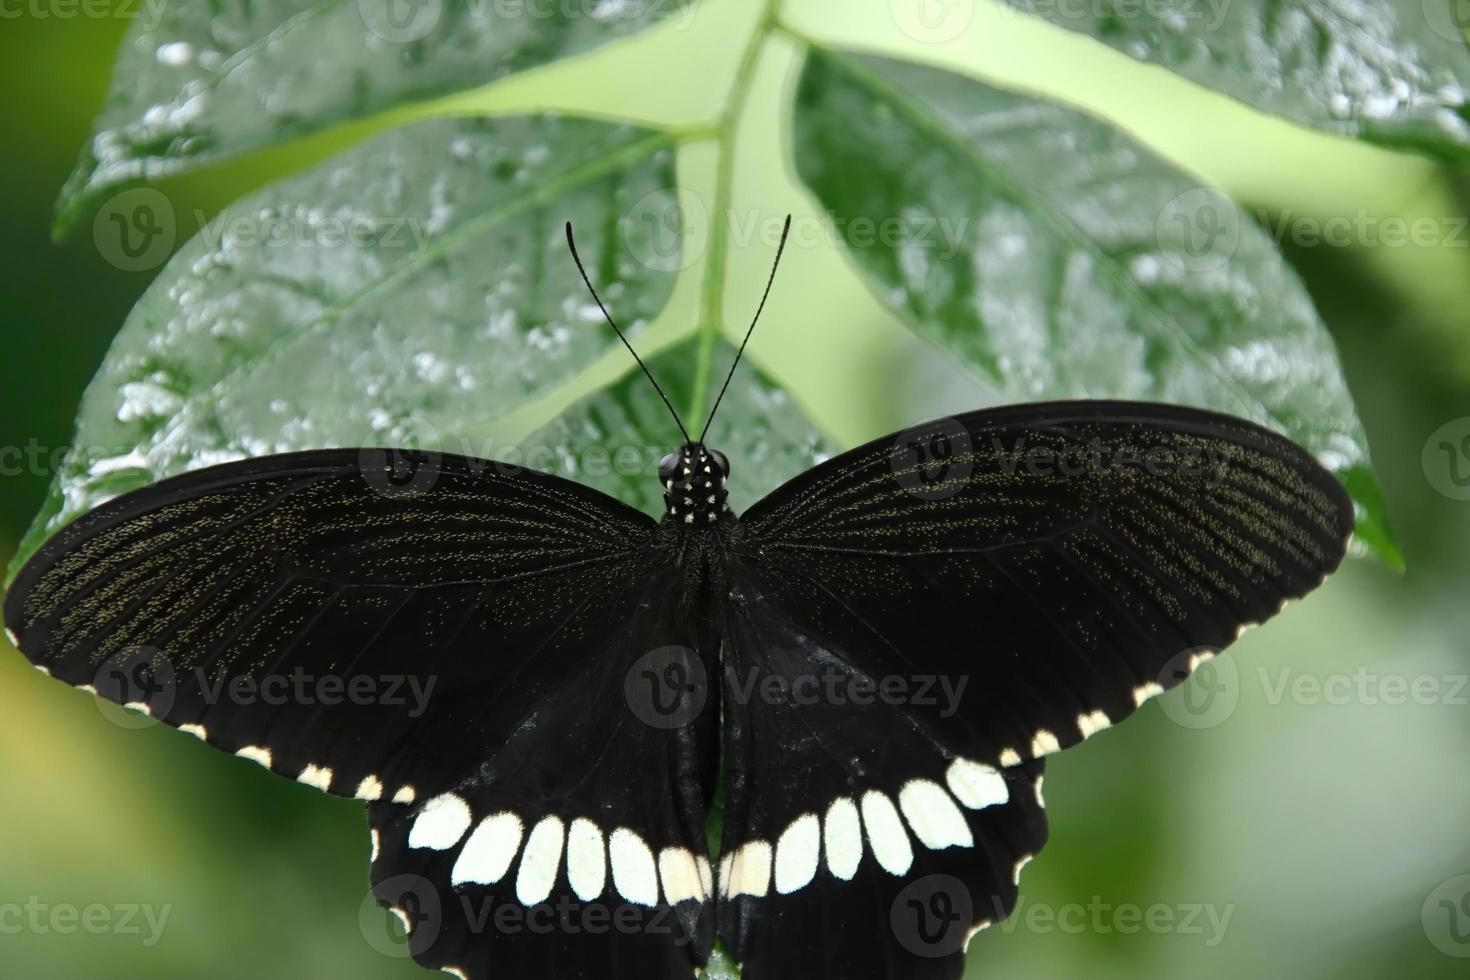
856 844
576 849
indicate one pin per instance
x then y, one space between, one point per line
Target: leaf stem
712 284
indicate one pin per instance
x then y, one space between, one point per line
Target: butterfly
867 668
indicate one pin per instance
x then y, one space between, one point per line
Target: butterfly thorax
694 485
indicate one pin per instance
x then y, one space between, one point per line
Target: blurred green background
1295 834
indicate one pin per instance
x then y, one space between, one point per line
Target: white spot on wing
371 788
586 860
87 687
886 834
633 871
487 854
1202 657
1040 800
377 840
797 854
256 753
44 669
404 795
843 839
1021 863
1044 743
1010 757
10 635
198 731
441 823
403 917
750 872
454 971
975 930
975 785
680 876
1143 692
1093 722
318 776
540 862
932 814
141 707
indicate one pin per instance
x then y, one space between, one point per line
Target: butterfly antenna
785 230
572 244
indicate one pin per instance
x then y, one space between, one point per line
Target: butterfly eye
667 466
721 461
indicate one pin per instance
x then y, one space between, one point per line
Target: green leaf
199 82
1055 257
1392 72
407 291
614 440
722 965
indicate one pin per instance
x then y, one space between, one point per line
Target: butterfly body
868 666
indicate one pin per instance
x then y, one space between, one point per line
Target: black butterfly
868 666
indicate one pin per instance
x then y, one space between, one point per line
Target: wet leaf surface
1055 257
1392 73
199 82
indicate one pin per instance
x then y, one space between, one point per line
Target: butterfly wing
434 634
576 849
819 875
969 597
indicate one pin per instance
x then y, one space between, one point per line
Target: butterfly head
694 484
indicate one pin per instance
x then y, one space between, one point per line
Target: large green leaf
1056 257
408 290
1393 72
197 82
